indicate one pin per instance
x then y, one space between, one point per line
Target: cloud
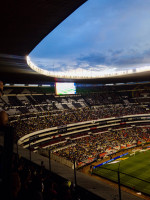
118 58
94 58
99 36
110 61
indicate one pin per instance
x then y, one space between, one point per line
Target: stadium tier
90 126
32 109
92 103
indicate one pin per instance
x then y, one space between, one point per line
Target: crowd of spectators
33 182
35 100
108 142
33 109
40 121
28 180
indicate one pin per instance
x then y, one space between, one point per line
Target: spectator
3 114
3 118
16 186
1 88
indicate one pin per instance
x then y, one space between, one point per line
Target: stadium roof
23 25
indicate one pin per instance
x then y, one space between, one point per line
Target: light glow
84 74
65 88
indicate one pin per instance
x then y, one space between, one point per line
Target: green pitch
134 171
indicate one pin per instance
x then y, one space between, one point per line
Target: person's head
1 88
3 118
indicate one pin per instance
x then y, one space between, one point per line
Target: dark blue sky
102 35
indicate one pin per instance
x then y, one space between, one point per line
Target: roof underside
23 25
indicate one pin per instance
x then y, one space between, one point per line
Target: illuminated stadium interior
77 100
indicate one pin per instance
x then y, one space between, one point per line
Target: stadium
69 136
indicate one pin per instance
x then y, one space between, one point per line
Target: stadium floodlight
83 73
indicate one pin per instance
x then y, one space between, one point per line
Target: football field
134 171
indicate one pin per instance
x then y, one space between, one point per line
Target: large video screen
65 88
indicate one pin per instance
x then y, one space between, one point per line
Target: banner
110 160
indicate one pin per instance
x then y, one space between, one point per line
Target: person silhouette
3 114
